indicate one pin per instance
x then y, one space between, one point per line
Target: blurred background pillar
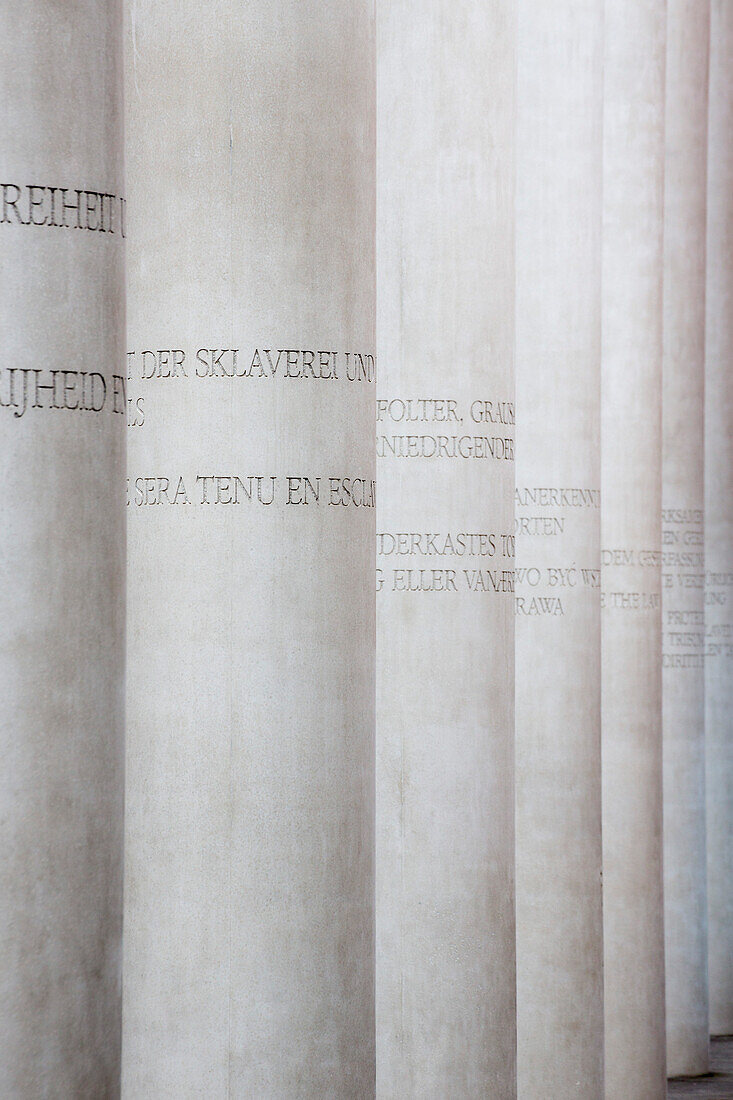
631 574
683 675
719 520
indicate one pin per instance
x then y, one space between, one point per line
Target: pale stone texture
631 500
682 537
61 550
717 1085
249 934
719 520
558 714
445 909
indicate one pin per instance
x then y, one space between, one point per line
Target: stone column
249 934
631 575
719 520
558 714
445 448
683 681
62 548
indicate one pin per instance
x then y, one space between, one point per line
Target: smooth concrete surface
445 636
249 888
683 679
62 548
719 520
631 540
558 650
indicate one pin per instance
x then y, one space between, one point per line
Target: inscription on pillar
630 579
27 390
683 578
38 205
251 489
151 366
550 515
406 428
718 617
445 561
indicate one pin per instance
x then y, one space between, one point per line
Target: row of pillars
517 206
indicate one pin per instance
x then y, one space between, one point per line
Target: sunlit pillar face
249 917
445 553
558 800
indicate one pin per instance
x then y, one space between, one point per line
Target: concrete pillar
719 520
558 713
631 575
62 433
685 907
445 448
249 935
